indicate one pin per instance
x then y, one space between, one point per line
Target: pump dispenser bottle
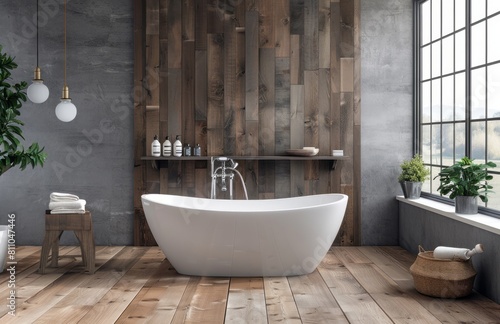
178 146
167 147
197 150
155 147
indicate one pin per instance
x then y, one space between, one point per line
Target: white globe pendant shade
66 110
38 92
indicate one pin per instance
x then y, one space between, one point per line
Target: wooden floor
138 285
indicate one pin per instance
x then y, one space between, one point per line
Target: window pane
448 55
493 45
448 16
436 19
435 182
460 96
478 138
478 93
426 102
478 9
436 144
425 61
478 44
447 150
493 6
494 143
448 98
436 100
459 141
494 91
426 143
436 59
460 51
425 22
460 14
494 199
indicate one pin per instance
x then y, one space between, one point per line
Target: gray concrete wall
386 113
422 227
91 156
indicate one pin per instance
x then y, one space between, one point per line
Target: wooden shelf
333 159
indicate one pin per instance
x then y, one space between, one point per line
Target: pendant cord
37 33
64 43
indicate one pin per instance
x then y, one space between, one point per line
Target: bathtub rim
146 197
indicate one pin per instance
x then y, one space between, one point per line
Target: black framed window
457 89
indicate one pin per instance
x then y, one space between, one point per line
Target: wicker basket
442 278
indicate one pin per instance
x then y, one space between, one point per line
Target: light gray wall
422 227
386 113
91 156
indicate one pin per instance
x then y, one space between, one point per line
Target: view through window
458 88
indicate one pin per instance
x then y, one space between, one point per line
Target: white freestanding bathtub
244 238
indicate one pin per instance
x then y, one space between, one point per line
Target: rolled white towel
67 211
78 204
60 196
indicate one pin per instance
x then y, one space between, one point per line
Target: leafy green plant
465 178
12 96
414 170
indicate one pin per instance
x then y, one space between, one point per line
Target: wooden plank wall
249 77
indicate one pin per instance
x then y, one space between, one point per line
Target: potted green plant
413 174
464 181
12 96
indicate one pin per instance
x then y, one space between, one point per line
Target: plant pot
466 205
411 190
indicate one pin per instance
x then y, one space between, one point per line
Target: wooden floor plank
124 291
48 296
400 307
159 299
357 305
462 310
314 300
281 306
386 263
27 260
29 282
80 300
246 302
208 303
22 252
138 285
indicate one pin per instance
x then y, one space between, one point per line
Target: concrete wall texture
93 155
386 114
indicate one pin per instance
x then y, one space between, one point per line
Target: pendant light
37 91
65 110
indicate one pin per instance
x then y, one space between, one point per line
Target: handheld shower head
233 164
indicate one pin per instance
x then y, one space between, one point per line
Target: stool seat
81 225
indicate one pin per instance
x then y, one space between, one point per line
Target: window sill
487 223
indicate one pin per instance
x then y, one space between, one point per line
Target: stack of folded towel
64 203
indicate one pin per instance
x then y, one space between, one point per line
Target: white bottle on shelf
167 147
177 146
155 147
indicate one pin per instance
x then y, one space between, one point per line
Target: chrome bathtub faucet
224 171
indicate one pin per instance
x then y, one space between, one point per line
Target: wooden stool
81 225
